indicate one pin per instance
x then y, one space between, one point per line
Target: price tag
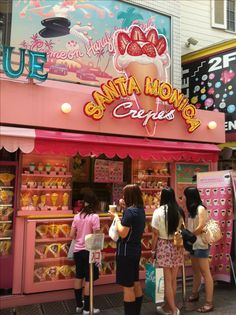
95 256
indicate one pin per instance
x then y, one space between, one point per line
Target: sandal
194 297
208 307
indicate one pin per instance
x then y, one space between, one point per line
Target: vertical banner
217 195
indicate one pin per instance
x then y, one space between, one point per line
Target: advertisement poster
217 195
78 35
210 84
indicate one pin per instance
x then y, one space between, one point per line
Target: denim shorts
200 253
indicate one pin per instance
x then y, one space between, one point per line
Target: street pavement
112 304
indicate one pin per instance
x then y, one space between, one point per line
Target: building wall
196 22
170 8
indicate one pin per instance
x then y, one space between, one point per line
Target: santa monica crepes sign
122 87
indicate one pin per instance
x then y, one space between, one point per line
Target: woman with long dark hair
85 222
128 253
200 263
166 220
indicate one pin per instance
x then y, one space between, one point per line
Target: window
5 21
231 15
223 14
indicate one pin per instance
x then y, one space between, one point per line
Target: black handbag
188 239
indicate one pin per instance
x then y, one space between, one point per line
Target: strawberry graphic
152 36
137 34
122 42
149 50
134 49
161 45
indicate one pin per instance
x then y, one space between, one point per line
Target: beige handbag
211 233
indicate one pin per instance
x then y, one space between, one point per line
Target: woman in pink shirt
85 222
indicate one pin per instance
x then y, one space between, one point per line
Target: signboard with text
78 35
209 83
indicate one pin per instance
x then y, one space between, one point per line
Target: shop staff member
86 222
128 252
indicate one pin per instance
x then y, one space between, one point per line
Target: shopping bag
113 233
154 283
70 254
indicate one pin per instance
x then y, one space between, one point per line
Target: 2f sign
222 61
36 63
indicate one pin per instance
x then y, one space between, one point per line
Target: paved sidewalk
112 304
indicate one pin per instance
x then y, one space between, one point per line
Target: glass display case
46 266
46 262
151 176
45 185
8 171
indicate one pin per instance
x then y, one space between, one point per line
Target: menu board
217 195
106 171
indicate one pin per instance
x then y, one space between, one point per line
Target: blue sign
36 63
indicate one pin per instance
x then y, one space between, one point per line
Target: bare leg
170 297
86 288
196 276
129 294
174 279
138 289
206 273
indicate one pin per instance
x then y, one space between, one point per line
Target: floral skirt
168 255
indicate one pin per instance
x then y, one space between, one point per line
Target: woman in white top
165 222
199 257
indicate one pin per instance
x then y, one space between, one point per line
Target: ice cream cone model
43 200
54 197
148 103
35 199
3 196
6 178
142 54
65 199
25 201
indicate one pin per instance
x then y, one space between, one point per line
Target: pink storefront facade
33 122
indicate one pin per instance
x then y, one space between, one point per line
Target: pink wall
38 105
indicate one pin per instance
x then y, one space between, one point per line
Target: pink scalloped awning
65 143
13 138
